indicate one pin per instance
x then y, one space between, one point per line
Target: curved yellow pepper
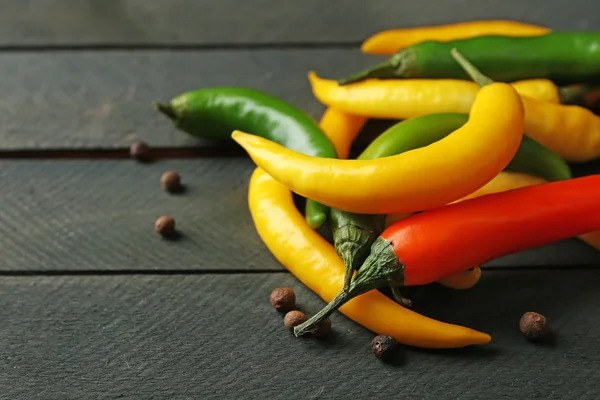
341 128
571 131
316 264
392 40
419 179
408 98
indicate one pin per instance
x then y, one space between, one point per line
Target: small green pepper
214 113
563 57
353 234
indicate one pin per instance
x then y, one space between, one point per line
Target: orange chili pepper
315 263
392 40
513 180
341 128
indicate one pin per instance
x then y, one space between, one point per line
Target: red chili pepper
440 242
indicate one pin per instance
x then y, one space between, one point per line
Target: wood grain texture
97 100
99 215
216 336
73 215
205 22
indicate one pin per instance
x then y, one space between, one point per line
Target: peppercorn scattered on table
195 211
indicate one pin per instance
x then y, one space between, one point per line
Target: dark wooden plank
99 215
83 215
216 336
104 100
67 22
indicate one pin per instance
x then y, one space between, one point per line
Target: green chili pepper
214 113
563 57
353 234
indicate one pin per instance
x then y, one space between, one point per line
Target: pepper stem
383 70
167 110
352 244
397 294
353 236
470 69
381 268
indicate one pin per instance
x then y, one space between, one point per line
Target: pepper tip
166 109
316 220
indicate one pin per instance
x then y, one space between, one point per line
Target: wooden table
95 305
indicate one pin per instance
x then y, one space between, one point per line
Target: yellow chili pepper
316 264
419 179
408 98
462 281
390 41
543 90
572 132
341 128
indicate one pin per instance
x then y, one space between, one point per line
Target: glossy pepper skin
444 241
563 57
403 99
213 113
572 132
312 260
513 180
341 128
416 180
392 40
476 231
414 133
353 234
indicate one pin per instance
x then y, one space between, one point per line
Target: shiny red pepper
444 241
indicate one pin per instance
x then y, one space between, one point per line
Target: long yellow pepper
392 40
312 260
419 179
408 98
572 132
341 128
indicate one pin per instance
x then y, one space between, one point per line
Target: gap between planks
25 48
155 153
157 272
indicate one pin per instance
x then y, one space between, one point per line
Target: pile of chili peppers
475 168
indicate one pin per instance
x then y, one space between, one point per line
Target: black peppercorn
140 151
170 181
294 318
534 326
283 299
323 329
384 346
165 226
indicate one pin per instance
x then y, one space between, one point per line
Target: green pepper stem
167 110
383 70
381 268
470 69
352 244
353 235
